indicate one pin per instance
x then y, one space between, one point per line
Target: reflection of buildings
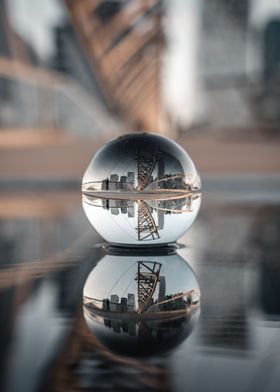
151 178
147 331
149 215
160 207
117 207
151 297
121 305
150 218
121 326
162 287
116 182
131 302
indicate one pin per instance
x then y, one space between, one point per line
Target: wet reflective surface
141 304
47 257
141 189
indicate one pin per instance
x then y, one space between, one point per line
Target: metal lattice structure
146 227
123 41
147 279
145 167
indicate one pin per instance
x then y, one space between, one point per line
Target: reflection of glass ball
141 189
141 305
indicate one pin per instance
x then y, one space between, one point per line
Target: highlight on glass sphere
141 189
141 305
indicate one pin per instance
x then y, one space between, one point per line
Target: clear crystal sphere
141 189
141 305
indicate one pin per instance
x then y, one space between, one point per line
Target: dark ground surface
48 249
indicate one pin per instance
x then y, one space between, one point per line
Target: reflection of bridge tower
145 167
147 279
146 225
146 163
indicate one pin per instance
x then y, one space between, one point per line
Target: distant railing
31 97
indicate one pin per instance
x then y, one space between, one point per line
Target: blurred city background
74 74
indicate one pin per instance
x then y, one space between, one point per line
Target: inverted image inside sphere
141 305
142 159
136 186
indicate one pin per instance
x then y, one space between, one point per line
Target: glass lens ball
141 305
141 189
